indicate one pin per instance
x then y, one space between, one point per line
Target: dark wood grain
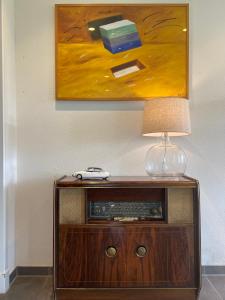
84 263
127 294
197 236
126 194
55 235
169 259
128 181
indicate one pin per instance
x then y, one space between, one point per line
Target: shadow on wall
34 214
99 105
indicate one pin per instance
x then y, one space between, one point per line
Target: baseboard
29 271
213 270
34 271
12 276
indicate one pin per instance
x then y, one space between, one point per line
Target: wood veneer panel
168 263
127 294
126 194
83 261
128 181
169 260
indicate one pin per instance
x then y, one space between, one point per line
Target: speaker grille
180 205
72 206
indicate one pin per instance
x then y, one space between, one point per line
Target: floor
40 288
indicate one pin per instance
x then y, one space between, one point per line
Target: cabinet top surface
127 181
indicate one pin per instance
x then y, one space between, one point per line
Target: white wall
2 198
53 139
9 121
207 143
8 145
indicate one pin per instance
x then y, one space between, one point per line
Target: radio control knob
111 251
141 251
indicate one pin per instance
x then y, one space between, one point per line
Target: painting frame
119 98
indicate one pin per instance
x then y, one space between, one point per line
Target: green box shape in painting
117 29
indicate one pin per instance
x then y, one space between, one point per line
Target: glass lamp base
165 159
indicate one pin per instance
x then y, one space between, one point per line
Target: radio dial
107 210
154 212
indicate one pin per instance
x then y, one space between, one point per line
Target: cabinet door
84 260
168 261
181 263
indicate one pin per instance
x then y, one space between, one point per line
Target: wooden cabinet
92 257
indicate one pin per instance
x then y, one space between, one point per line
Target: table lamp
165 117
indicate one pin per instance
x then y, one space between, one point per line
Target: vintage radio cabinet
127 238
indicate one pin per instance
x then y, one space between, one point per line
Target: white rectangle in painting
126 71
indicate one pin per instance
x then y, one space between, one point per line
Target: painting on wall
121 52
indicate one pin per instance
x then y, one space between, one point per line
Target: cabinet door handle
111 251
141 251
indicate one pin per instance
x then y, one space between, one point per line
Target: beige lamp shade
167 115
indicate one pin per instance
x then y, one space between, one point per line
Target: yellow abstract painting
121 52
